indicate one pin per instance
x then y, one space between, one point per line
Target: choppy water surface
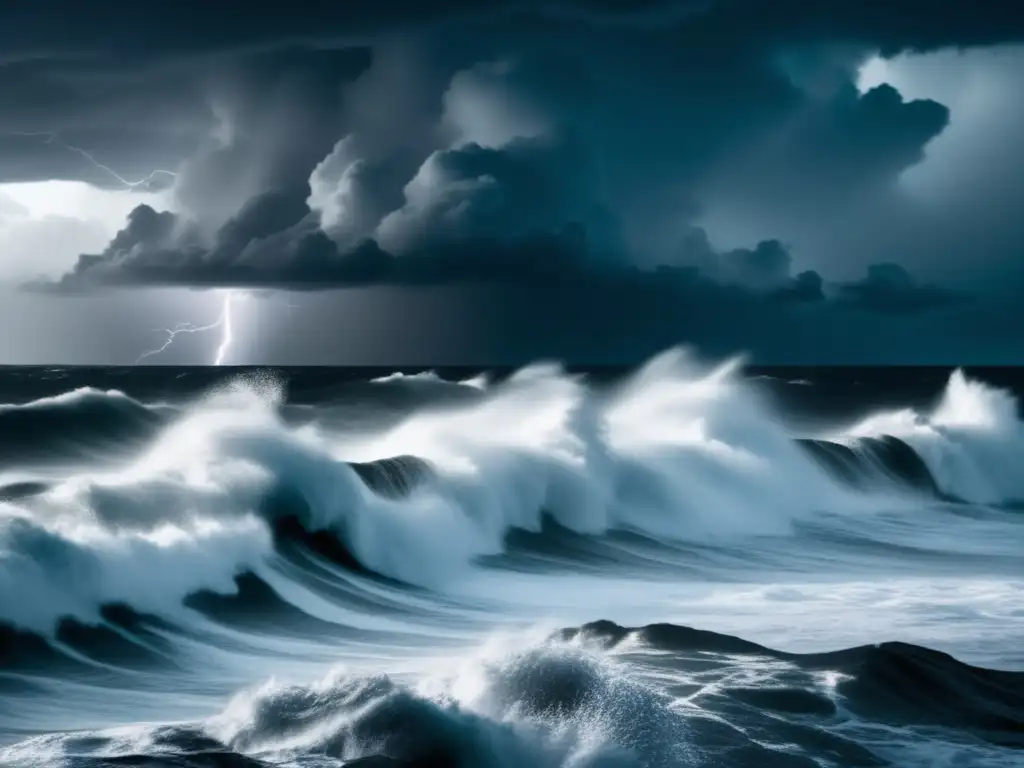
682 565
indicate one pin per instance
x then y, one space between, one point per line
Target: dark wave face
277 568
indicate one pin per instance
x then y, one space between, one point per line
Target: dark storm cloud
893 26
841 149
124 28
250 251
279 113
890 288
518 174
765 270
275 242
63 119
471 193
104 122
562 151
128 82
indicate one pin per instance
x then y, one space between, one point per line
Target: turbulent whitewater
681 565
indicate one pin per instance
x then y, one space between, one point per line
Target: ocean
687 563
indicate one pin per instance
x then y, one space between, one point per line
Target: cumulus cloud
766 269
278 114
470 195
382 207
341 146
705 168
352 193
889 287
136 90
836 151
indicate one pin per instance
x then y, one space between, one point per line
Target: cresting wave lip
864 461
678 452
970 441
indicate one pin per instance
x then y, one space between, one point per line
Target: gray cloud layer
357 143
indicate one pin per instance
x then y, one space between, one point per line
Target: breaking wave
678 453
151 552
601 696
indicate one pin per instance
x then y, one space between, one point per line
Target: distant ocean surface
685 564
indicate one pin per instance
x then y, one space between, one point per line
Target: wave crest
678 452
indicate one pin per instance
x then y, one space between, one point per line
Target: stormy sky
453 182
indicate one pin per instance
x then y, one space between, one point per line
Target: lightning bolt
227 332
52 138
224 322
